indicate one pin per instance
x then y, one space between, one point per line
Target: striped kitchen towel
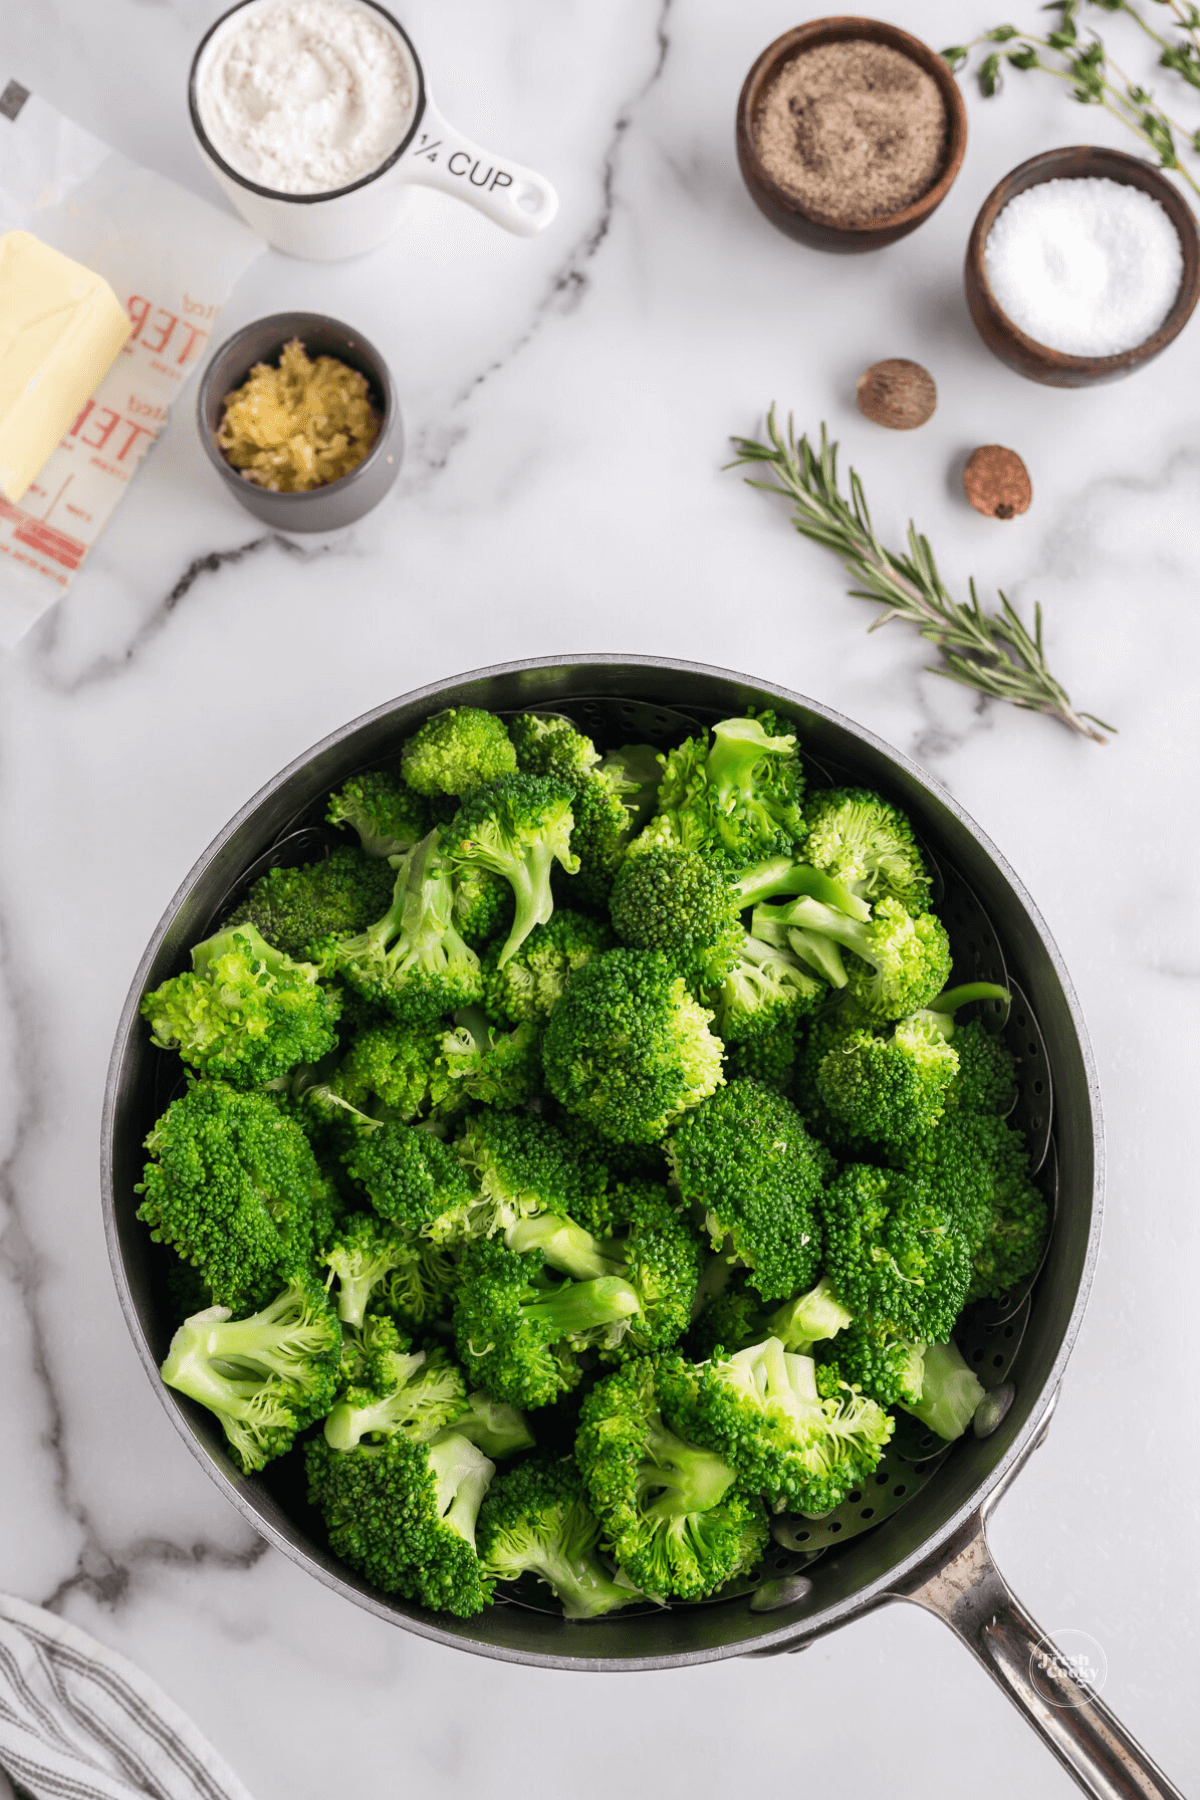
78 1720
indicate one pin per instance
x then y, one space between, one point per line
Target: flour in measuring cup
305 96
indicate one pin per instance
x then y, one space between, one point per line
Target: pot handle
967 1591
441 157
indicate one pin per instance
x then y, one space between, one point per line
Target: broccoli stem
529 879
809 1318
780 875
950 1392
770 926
347 1425
687 1479
580 1305
951 999
582 1585
738 745
462 1474
565 1246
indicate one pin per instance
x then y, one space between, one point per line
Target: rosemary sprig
1088 70
991 652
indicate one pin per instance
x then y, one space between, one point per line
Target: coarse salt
1085 265
306 96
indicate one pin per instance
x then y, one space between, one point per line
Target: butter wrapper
172 261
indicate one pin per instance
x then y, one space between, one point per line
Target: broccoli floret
548 744
364 1252
246 1012
522 1167
235 1189
518 1333
264 1377
737 793
487 1068
603 1158
651 1246
869 1357
899 962
484 907
497 1429
770 1058
537 1521
977 1168
889 1088
517 827
860 839
410 1177
893 1254
299 910
950 1392
730 1313
403 1514
766 990
421 1286
760 1410
388 816
457 751
413 961
986 1078
530 984
390 1068
417 1392
746 1158
669 1512
680 903
628 1048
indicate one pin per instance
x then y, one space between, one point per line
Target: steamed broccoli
487 1068
761 1411
537 1520
627 1048
747 1159
390 1068
889 1088
410 1177
770 1057
530 984
403 1514
977 1168
522 1167
893 1254
986 1078
680 903
669 1511
516 826
246 1012
413 961
299 910
497 1429
860 839
364 1252
387 815
236 1191
885 1367
737 793
519 1333
418 1392
634 773
766 991
648 1244
548 745
264 1377
950 1392
484 907
421 1287
898 962
457 751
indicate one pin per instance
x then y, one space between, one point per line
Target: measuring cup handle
967 1591
441 157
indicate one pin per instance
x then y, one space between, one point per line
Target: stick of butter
61 330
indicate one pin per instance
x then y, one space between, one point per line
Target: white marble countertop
569 402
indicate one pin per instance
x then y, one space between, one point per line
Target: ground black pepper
853 130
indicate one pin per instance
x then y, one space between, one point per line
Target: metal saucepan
920 1536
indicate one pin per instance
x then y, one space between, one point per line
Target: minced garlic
299 426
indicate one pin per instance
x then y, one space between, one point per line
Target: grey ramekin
342 501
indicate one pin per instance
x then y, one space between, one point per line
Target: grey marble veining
569 403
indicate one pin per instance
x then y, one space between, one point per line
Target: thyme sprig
1094 78
991 652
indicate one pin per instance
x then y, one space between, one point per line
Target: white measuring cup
349 220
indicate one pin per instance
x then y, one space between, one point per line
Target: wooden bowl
1038 361
781 207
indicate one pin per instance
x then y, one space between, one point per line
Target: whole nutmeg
997 482
896 393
